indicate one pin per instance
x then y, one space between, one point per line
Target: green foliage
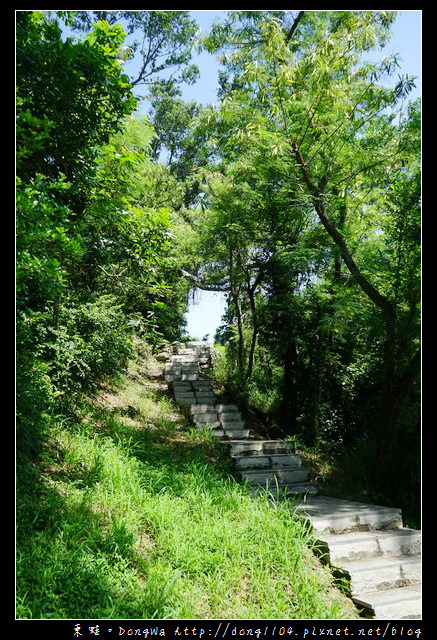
166 39
75 91
91 342
46 239
304 188
125 517
93 219
314 226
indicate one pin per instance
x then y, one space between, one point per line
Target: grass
130 513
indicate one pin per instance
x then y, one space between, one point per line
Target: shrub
91 343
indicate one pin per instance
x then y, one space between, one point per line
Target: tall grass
130 513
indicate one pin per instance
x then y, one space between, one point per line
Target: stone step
177 361
332 515
366 544
182 385
235 432
293 491
212 425
227 408
205 396
205 408
203 417
260 447
217 430
301 489
359 545
185 394
184 400
172 377
235 425
181 364
231 416
202 385
392 604
381 574
271 477
173 368
184 355
274 461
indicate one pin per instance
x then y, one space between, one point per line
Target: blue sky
205 314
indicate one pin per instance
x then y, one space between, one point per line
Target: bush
91 342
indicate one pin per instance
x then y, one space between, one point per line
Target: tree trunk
236 300
288 407
394 401
388 310
251 294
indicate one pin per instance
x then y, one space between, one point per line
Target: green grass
130 513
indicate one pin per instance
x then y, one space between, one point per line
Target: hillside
130 513
295 196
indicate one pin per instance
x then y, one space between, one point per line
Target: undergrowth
128 512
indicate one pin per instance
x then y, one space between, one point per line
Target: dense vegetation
298 195
133 514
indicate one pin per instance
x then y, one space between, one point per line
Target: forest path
365 544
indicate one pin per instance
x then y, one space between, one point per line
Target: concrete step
226 434
230 417
236 432
185 395
260 447
205 397
235 425
181 386
184 357
366 544
212 425
310 488
381 574
332 515
292 491
359 545
274 461
183 402
203 386
227 408
392 604
217 432
205 408
204 417
269 477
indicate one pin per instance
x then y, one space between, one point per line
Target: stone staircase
262 464
365 544
368 545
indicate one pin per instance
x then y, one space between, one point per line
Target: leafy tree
70 98
181 138
73 94
163 41
298 83
129 231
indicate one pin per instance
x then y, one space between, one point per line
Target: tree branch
380 301
219 286
294 26
112 275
